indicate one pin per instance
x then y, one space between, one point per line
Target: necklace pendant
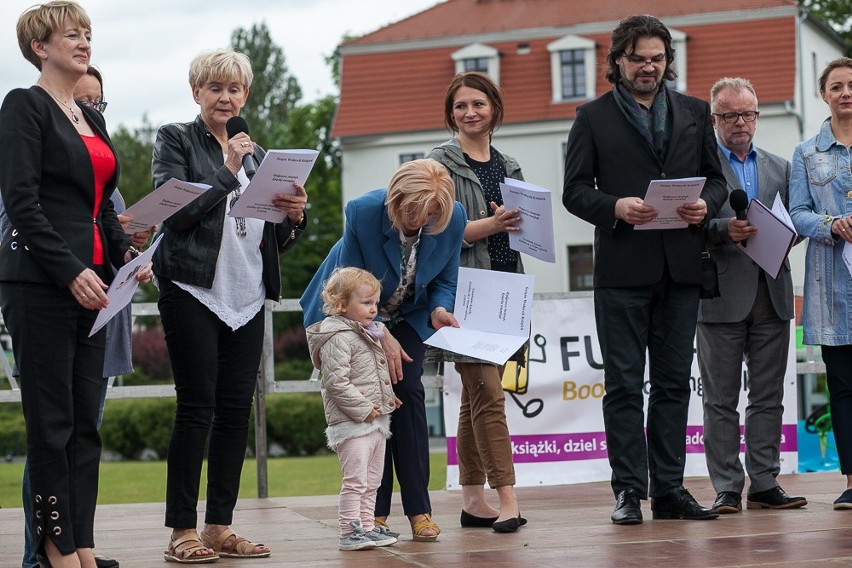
75 118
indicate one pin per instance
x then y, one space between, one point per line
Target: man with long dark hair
646 282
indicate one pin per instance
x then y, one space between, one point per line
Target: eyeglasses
732 117
99 106
656 60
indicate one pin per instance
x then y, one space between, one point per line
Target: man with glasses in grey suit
750 321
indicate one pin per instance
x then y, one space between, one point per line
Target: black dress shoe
509 525
472 521
728 502
679 504
104 562
774 498
627 510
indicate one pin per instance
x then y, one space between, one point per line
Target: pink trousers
362 460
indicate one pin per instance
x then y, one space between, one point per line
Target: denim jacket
820 192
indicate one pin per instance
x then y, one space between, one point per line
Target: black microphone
739 203
234 126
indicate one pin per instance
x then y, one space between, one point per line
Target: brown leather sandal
188 554
239 548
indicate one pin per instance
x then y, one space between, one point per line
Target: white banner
557 424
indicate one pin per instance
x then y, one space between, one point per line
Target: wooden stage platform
568 526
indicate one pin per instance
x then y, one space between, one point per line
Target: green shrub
13 434
131 425
150 354
296 422
294 370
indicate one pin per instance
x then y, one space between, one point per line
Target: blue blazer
370 242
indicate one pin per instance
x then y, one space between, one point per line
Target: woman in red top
57 171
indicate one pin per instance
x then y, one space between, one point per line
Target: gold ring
244 144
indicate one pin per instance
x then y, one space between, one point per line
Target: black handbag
709 277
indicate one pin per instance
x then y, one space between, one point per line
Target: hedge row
294 421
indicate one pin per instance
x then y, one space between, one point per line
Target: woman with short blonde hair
215 272
58 171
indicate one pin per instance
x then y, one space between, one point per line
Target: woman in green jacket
473 109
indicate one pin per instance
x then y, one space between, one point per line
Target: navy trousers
407 451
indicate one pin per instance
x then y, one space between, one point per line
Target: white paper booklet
276 174
781 212
162 203
847 256
535 204
775 235
666 195
123 286
493 310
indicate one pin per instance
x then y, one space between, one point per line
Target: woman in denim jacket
820 206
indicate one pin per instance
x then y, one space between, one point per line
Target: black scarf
654 125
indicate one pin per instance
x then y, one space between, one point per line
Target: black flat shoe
509 525
104 562
472 521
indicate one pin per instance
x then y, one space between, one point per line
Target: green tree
134 149
274 92
333 60
277 120
309 126
836 13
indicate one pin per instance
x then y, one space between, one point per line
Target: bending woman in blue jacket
409 237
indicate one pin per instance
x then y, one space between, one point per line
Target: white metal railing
267 384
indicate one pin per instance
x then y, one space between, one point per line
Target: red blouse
103 166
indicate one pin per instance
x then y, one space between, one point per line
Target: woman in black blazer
57 171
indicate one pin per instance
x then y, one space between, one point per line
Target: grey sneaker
356 540
381 539
386 531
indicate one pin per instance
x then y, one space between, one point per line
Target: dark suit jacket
737 272
608 159
47 184
370 242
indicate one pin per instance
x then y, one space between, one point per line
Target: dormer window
572 68
478 57
475 64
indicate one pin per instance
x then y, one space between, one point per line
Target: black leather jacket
190 247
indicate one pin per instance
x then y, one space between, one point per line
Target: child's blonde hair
338 289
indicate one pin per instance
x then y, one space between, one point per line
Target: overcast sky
144 47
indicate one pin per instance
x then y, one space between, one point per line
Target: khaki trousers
484 446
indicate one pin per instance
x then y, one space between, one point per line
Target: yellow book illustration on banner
515 376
